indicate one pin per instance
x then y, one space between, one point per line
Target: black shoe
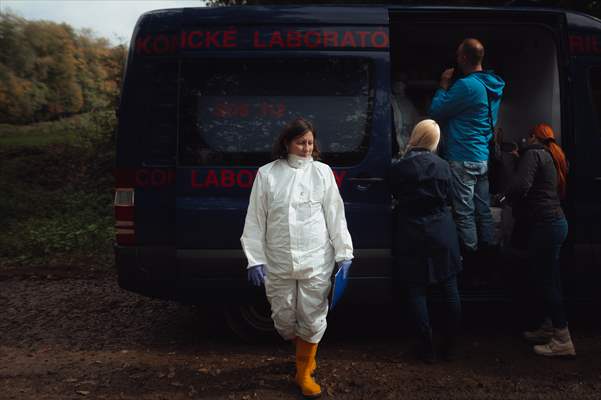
424 350
449 350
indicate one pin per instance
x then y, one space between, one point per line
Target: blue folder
338 286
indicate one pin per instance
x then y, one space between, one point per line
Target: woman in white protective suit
295 231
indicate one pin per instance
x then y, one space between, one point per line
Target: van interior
525 56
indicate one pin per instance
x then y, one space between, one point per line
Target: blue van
206 90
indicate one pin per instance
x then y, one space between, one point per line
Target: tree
49 70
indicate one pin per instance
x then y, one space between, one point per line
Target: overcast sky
112 19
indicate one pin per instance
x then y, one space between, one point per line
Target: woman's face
302 146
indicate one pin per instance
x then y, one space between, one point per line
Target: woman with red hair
535 194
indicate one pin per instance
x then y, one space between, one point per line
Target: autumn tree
48 70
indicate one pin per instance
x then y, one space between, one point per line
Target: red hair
544 134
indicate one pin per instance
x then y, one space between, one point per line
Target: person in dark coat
426 244
535 193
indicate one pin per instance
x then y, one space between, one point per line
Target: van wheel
251 322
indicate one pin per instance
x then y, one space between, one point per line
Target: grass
41 134
56 190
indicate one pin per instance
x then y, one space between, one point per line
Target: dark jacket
425 244
533 191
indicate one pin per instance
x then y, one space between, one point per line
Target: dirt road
68 334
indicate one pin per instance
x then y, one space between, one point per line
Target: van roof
327 15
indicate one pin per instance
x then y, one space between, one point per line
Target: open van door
584 186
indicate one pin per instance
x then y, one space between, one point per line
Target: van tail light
124 216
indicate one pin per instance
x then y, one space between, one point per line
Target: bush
57 201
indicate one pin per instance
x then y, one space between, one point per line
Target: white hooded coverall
295 225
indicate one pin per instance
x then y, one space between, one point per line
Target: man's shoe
560 345
449 351
542 335
424 350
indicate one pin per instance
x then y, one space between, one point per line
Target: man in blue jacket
462 108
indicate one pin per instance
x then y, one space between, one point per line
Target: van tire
251 322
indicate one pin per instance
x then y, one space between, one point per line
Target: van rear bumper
213 276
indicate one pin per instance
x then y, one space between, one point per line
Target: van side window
156 108
595 80
232 109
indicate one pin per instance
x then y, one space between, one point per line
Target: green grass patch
56 201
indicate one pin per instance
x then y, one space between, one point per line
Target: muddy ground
74 334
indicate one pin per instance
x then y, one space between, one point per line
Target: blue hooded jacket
462 110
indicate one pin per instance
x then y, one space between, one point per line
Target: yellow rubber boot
305 359
312 366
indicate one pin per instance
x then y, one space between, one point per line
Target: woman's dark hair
295 128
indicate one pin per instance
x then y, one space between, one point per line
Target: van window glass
232 110
595 79
155 108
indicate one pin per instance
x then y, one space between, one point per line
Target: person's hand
446 77
345 266
256 275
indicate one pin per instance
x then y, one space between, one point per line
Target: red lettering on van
245 178
272 110
576 44
348 40
154 178
584 44
142 178
312 43
229 38
293 39
379 39
142 45
160 44
169 43
362 36
194 40
339 176
228 178
276 39
330 39
595 45
158 178
257 42
225 178
212 39
211 179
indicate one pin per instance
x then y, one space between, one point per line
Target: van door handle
363 184
370 180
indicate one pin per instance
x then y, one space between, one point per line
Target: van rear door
584 185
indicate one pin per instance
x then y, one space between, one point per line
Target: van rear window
232 110
151 110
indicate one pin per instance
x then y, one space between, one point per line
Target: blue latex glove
345 266
256 275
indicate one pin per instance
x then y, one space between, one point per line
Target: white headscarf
426 134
